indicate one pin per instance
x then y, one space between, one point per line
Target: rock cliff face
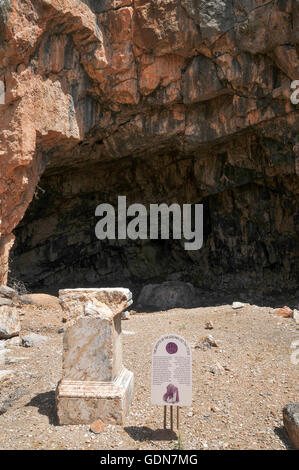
161 101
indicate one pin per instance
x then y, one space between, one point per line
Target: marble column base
82 402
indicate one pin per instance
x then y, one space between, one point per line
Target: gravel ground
240 408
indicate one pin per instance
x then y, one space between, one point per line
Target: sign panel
172 372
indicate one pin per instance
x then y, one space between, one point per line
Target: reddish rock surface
89 83
97 426
285 312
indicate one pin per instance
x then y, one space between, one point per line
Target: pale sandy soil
241 409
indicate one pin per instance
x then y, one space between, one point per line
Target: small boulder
7 292
236 305
170 294
209 325
97 426
296 316
291 422
206 343
210 339
33 340
284 312
9 322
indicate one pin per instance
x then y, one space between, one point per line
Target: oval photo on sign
171 372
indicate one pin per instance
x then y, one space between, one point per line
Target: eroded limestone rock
9 322
76 302
7 292
291 422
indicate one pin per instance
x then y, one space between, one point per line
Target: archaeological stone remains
95 384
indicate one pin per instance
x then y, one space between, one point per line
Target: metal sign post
171 417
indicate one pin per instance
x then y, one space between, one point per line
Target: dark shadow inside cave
250 241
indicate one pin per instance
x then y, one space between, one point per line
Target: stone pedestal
81 402
95 385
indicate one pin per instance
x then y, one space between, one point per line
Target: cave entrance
56 246
249 227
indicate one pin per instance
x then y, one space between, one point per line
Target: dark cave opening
250 237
